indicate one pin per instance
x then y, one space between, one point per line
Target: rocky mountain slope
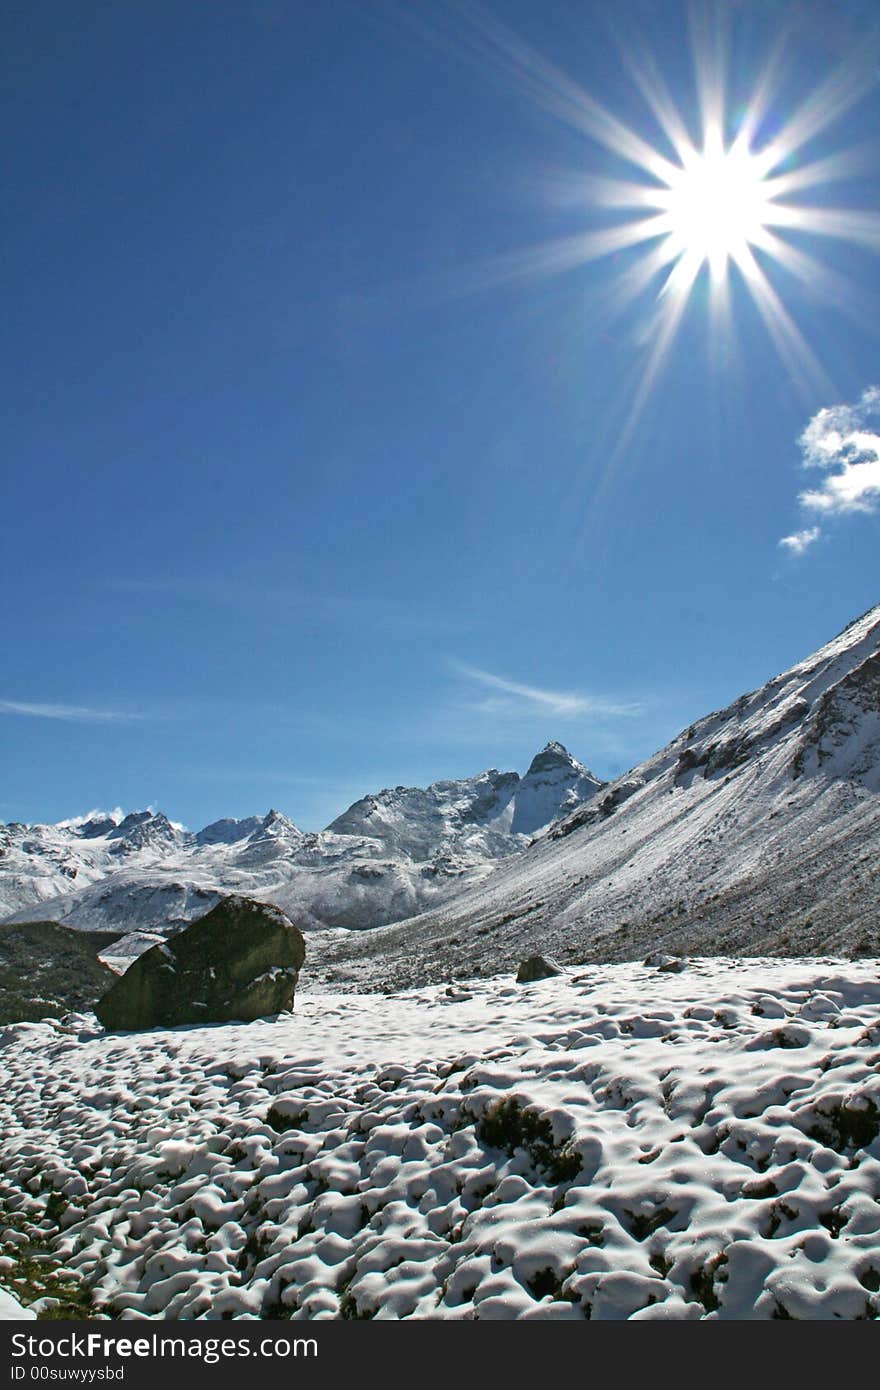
47 971
387 857
755 831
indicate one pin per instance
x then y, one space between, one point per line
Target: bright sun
717 205
724 203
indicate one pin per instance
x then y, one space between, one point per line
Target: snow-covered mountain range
755 831
388 856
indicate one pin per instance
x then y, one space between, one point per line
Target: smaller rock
457 994
537 968
671 965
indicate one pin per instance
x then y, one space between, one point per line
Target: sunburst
709 206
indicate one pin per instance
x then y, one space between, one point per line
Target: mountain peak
551 756
142 829
275 822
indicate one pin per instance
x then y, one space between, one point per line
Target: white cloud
532 698
800 540
843 442
73 822
78 713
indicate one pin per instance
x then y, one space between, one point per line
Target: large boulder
239 962
47 970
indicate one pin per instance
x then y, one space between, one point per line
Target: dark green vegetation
511 1126
47 970
37 1275
847 1126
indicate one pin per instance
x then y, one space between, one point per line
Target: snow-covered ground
621 1141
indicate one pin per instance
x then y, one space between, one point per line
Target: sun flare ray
790 343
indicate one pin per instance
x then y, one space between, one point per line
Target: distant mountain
388 856
483 812
756 831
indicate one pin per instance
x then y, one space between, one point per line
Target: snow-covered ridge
389 855
755 830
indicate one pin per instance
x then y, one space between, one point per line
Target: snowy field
620 1142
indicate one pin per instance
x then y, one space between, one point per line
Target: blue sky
318 480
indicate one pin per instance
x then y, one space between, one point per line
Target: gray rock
537 968
670 965
239 962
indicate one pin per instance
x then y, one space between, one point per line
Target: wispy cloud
386 613
800 541
843 441
513 695
75 713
